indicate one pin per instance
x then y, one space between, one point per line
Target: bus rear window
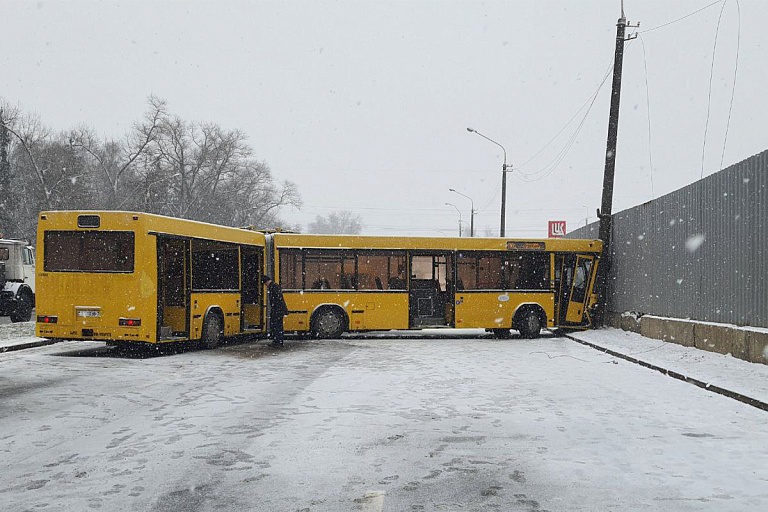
88 251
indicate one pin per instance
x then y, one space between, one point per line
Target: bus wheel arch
529 319
329 321
213 328
25 302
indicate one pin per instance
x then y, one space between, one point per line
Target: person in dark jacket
277 309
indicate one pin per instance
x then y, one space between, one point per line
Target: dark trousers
276 328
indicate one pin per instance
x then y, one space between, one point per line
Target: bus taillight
130 322
47 319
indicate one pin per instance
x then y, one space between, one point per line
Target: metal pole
472 219
610 166
502 231
503 179
472 212
459 212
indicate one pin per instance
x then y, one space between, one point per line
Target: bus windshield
89 251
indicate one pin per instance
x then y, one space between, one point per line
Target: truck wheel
212 330
23 311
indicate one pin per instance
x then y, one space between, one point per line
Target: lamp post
503 178
459 212
472 211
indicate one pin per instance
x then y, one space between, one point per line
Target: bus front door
431 290
577 296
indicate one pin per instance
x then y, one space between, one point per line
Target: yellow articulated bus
126 277
334 284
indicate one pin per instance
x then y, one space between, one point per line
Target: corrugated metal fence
700 252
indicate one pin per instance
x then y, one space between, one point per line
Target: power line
648 110
411 210
589 99
682 18
709 94
553 165
733 89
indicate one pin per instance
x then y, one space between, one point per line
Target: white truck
17 280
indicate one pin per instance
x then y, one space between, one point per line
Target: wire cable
681 19
552 166
709 95
589 99
648 110
733 89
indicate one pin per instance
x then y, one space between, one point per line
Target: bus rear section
141 278
91 283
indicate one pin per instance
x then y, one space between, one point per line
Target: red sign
556 228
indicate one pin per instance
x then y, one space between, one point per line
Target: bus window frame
402 254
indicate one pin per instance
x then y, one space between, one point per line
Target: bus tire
528 322
212 330
328 323
24 304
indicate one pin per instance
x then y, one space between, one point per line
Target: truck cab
17 280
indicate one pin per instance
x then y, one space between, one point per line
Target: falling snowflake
693 242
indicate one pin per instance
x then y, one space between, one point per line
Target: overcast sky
365 104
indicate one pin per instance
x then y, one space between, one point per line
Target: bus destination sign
526 246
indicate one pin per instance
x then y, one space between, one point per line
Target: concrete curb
30 344
754 402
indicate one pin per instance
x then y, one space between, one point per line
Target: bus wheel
23 311
212 329
530 324
501 334
328 323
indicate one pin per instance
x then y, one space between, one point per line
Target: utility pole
604 214
504 172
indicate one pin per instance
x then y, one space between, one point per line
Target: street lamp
503 178
472 216
459 212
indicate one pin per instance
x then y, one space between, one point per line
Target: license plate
88 313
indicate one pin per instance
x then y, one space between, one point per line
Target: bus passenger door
251 310
172 288
578 292
431 290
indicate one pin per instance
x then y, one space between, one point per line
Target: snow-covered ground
370 424
17 333
725 371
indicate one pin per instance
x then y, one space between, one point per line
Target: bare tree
218 179
163 165
115 158
342 222
30 134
